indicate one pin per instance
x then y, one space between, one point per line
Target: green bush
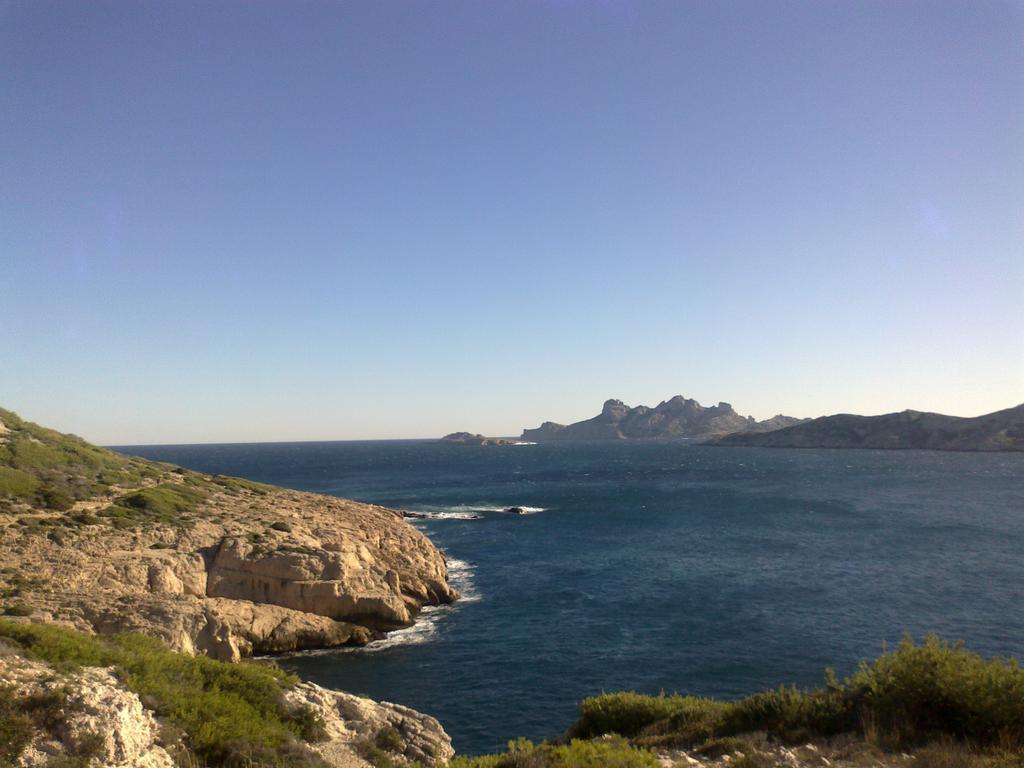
920 691
16 610
230 713
280 525
791 714
166 501
629 713
17 484
908 696
605 753
55 498
22 716
16 726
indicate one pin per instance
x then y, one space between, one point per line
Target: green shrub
909 696
55 498
791 714
86 518
628 714
604 753
920 691
168 503
17 483
231 714
23 715
16 726
280 525
16 610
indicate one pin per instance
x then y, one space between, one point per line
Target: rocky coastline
212 566
255 571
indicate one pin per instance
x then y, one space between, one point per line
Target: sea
659 566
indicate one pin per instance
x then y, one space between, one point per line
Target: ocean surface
660 566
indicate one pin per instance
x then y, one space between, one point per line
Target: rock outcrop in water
215 565
999 431
679 417
468 438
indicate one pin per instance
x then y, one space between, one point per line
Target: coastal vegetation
215 713
940 701
211 564
47 469
945 705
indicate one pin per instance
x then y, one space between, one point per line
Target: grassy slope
41 469
44 468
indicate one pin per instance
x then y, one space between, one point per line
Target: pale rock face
349 719
97 708
234 583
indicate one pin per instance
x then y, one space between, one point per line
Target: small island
468 438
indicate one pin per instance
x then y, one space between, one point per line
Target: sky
255 221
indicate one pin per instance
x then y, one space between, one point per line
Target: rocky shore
213 566
248 571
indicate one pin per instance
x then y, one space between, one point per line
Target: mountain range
678 417
998 431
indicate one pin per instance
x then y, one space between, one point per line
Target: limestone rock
101 718
352 719
257 573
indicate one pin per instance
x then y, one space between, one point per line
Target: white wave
465 511
460 576
523 442
426 514
423 631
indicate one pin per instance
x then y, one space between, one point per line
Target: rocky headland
999 431
676 418
214 565
106 544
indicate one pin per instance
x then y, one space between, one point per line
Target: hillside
999 431
211 564
676 418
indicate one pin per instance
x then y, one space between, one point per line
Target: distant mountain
676 418
999 431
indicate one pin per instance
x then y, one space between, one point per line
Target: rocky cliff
679 417
210 564
999 431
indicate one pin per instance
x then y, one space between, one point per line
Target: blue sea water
661 566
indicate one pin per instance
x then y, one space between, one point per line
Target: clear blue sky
231 221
